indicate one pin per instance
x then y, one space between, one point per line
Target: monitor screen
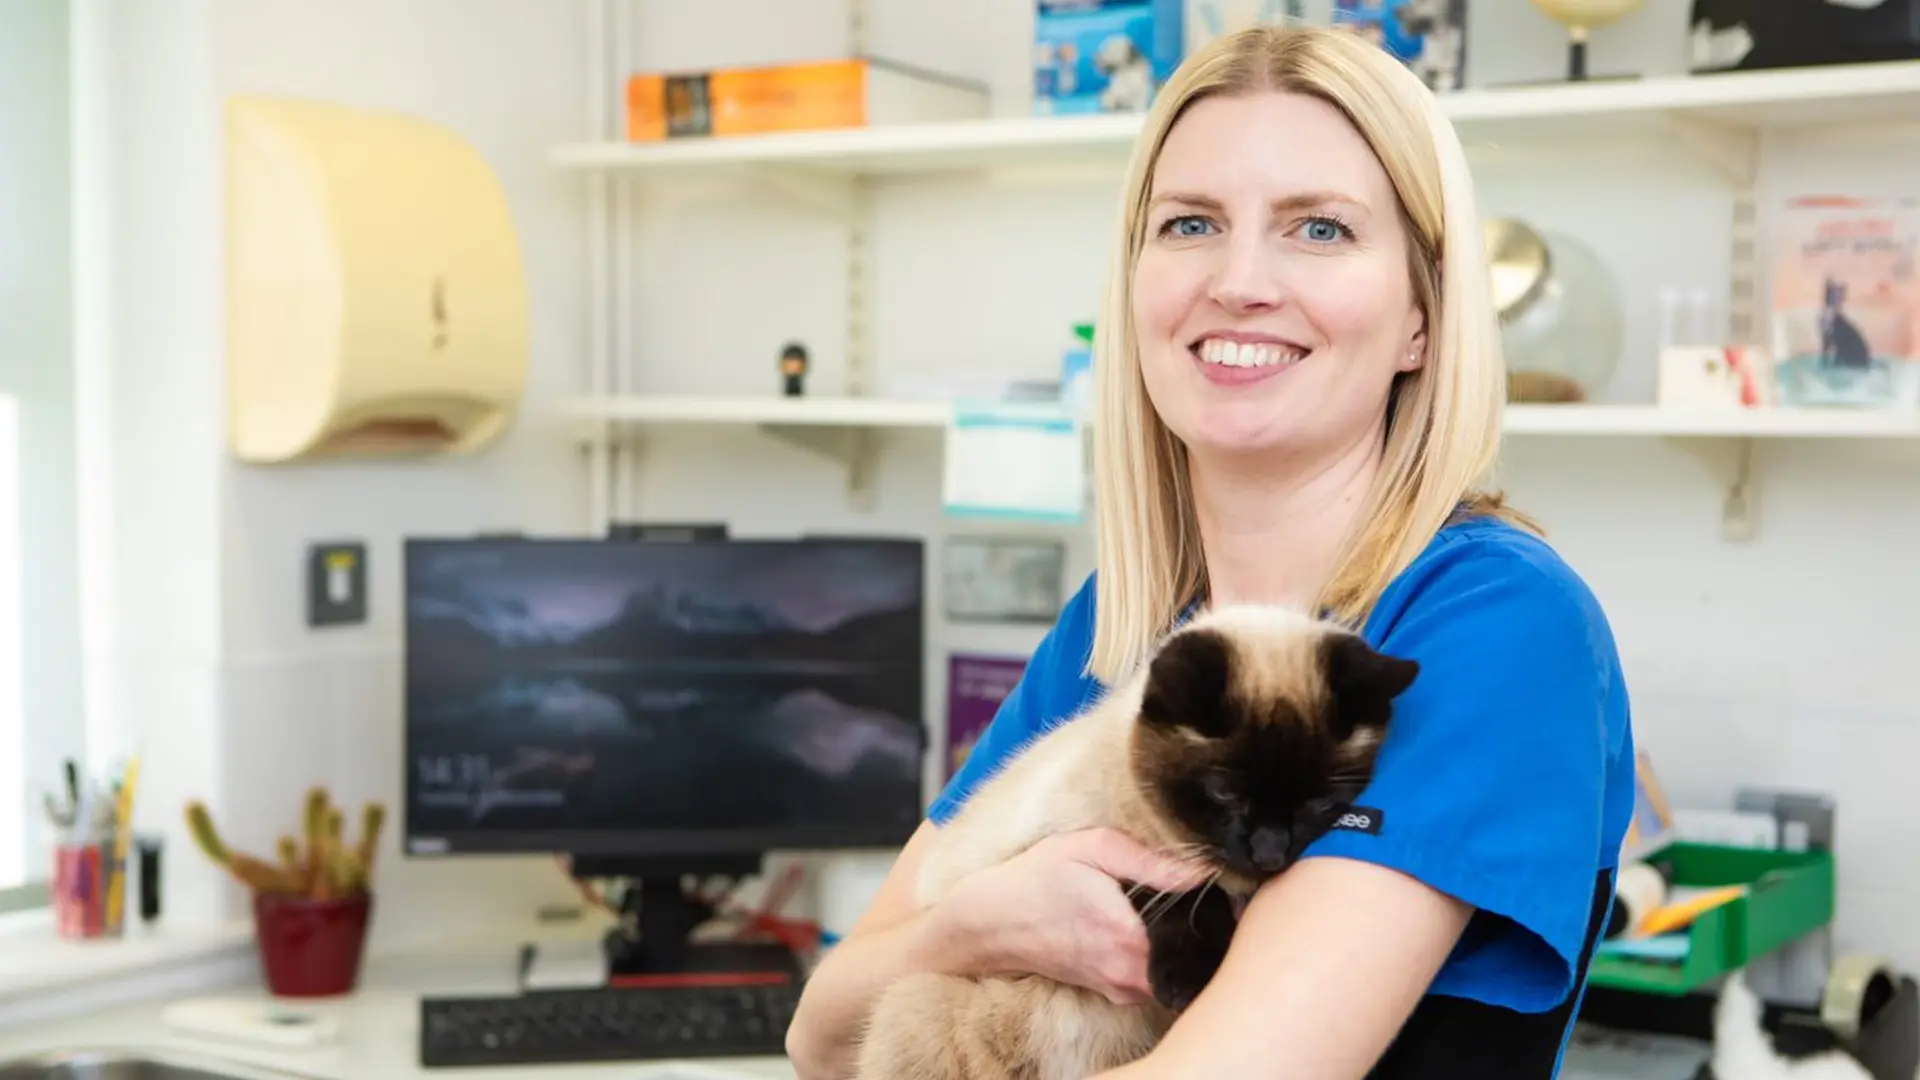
628 699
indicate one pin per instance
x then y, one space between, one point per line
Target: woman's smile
1237 358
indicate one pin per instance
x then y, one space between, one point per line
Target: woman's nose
1247 277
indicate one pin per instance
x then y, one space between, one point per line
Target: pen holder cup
310 948
89 890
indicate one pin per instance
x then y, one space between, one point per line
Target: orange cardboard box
795 97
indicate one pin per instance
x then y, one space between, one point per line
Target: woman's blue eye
1323 230
1185 226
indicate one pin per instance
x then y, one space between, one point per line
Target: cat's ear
1187 683
1362 682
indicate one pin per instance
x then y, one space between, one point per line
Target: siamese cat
1245 737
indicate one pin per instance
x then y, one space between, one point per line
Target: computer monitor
692 698
659 709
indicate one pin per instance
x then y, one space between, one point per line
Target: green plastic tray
1792 895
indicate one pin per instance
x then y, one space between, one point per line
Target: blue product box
1104 56
1429 36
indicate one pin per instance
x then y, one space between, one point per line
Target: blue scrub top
1506 779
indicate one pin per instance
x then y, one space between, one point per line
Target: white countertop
378 1029
378 1025
36 962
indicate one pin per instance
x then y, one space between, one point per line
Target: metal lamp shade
1582 17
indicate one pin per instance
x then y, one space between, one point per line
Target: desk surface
380 1024
379 1028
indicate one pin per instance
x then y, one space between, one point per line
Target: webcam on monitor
654 532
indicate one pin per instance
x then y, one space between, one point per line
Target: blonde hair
1443 420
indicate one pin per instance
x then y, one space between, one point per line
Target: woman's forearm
822 1041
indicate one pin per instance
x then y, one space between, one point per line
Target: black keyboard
551 1027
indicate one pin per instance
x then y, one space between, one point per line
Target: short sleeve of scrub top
1054 687
1506 778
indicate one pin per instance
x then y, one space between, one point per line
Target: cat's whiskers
1161 902
1164 899
1185 851
1193 912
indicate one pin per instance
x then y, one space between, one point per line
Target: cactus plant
323 867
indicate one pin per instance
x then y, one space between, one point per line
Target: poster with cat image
976 685
1846 302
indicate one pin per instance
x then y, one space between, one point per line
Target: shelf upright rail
1734 151
862 449
600 359
626 451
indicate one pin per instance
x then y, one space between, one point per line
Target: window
14 821
42 723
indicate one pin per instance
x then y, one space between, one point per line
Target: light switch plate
336 583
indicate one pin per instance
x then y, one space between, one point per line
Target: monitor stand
651 944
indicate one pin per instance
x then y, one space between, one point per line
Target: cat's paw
1186 941
1176 985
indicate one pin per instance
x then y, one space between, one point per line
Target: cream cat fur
1244 737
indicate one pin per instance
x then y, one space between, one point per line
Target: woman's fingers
1123 858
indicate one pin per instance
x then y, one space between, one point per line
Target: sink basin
129 1065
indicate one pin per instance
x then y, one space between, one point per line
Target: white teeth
1245 353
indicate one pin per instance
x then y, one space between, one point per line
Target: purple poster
976 684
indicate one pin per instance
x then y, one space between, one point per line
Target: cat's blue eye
1216 787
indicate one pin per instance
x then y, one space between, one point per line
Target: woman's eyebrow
1182 198
1304 200
1309 200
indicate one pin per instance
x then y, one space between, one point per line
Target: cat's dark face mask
1259 795
1254 776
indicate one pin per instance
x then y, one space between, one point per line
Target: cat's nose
1270 849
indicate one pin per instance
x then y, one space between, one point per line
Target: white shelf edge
1645 421
1760 98
719 410
1686 93
1006 137
1728 423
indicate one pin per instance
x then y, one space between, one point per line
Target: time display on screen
457 772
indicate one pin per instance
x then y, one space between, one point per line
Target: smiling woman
1299 394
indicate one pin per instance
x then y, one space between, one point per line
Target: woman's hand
1060 910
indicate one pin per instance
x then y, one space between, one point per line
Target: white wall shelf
1726 423
701 409
1739 103
1722 118
1619 421
1721 439
842 429
846 430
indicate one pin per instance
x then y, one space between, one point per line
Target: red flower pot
310 948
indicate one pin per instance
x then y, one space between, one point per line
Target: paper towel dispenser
376 297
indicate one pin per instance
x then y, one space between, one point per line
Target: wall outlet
336 583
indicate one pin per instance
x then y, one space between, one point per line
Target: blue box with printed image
1104 56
